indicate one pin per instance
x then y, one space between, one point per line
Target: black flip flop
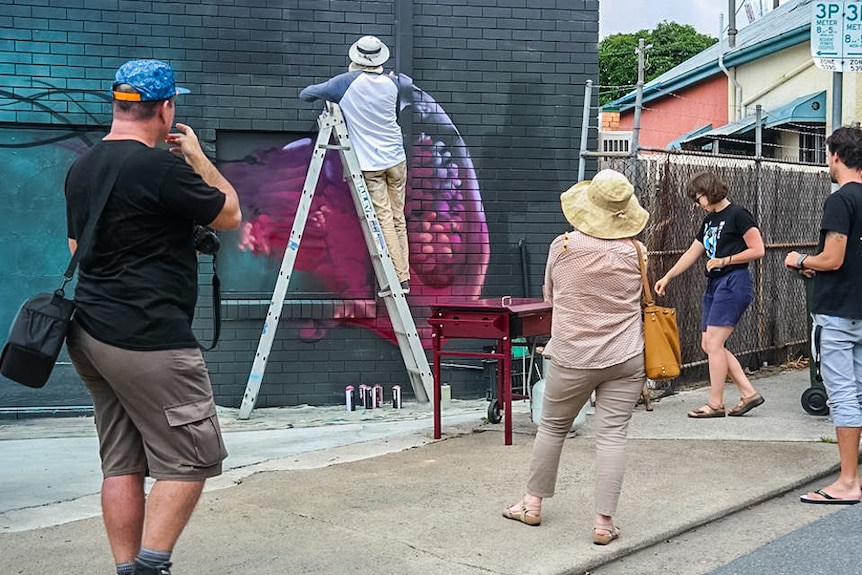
827 499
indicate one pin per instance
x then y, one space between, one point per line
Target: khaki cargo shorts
155 412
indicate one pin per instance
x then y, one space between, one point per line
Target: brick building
491 118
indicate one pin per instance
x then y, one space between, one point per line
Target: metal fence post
585 130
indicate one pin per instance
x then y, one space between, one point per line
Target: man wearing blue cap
131 341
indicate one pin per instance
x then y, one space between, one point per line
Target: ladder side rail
276 304
421 377
396 303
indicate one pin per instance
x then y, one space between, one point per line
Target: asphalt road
779 537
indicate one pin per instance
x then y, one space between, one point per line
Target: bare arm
73 246
830 259
754 251
685 261
186 144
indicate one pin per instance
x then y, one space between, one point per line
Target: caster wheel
495 415
814 401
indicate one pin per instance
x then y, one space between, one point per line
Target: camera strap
216 302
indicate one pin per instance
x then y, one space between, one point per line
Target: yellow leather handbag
662 358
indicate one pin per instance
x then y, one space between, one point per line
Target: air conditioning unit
615 142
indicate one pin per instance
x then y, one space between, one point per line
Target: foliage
672 44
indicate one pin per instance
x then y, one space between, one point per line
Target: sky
626 16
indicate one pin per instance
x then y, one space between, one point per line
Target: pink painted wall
664 120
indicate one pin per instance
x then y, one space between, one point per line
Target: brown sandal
527 514
604 535
707 411
746 404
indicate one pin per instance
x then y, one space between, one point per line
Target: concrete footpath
320 490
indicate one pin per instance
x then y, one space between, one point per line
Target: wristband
800 260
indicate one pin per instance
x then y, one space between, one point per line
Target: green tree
672 44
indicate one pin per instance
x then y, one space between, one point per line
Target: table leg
507 390
435 337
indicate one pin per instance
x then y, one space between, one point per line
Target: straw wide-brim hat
604 207
369 51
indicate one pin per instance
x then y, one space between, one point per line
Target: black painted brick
509 73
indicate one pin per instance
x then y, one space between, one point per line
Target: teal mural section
35 251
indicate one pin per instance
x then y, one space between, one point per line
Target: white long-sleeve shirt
369 103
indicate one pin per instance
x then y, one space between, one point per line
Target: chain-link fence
785 198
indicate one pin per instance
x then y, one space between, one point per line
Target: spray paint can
378 395
396 396
362 395
369 397
350 398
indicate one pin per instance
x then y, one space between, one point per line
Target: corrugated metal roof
809 108
676 143
781 28
742 126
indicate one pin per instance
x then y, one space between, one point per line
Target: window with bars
812 145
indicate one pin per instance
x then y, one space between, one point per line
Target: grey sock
126 568
151 558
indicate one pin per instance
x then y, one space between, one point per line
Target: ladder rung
331 123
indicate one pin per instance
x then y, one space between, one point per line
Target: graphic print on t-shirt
711 234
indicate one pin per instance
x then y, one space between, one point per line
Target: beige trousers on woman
617 388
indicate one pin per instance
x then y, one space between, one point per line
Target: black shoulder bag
40 326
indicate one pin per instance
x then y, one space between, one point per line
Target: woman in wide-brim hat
593 282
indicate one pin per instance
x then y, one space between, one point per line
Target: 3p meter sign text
836 36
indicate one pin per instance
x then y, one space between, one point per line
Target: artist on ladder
369 102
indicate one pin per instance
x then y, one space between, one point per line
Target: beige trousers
617 388
386 188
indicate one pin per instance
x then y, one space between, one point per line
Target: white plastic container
538 394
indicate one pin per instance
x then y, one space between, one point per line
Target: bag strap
647 293
97 206
216 309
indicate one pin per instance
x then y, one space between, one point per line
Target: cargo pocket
199 442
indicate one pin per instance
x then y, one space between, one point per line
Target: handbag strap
647 293
97 206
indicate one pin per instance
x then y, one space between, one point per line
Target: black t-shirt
722 235
137 287
837 292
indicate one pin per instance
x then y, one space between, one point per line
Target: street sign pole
837 99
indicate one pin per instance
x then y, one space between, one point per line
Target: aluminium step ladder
331 123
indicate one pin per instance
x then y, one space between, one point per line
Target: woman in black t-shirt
729 238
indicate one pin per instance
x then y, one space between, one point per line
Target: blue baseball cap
153 80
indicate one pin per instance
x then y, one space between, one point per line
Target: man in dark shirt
131 341
837 271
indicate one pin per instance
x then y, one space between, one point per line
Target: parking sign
836 35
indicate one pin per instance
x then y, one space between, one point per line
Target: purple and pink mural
447 231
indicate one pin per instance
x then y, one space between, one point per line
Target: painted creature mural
447 229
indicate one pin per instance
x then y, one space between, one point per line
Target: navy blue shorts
726 299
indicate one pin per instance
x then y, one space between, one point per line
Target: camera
206 241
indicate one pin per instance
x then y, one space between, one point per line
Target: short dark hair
135 110
706 184
846 143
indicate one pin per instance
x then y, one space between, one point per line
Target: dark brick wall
509 74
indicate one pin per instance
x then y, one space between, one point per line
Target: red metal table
500 319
